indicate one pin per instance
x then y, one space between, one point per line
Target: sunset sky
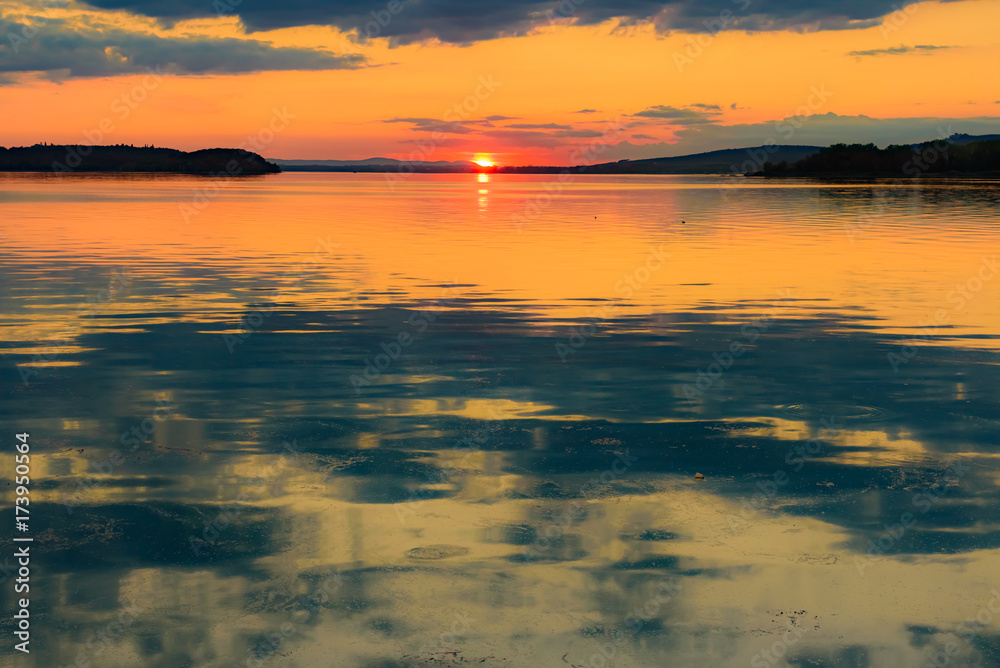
520 81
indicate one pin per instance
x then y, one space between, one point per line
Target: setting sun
483 160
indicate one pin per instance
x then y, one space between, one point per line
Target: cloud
675 116
642 136
707 107
521 135
587 111
539 126
898 50
582 133
64 48
434 125
461 21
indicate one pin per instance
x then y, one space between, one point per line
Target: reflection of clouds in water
537 430
891 425
334 505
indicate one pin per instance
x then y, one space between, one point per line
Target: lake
317 420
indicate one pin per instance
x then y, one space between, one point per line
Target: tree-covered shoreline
126 158
933 158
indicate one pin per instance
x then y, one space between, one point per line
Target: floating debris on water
437 552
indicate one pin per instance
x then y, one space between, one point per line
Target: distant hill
122 158
725 161
373 165
714 162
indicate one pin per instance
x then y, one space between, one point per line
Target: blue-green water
313 421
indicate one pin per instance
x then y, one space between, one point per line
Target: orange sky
540 79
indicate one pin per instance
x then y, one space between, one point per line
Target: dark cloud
63 49
898 50
460 21
539 126
416 122
707 107
675 116
433 125
642 136
580 133
548 135
587 111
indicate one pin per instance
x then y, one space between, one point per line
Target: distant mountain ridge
722 161
346 165
223 161
712 162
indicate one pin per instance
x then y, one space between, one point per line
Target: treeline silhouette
46 157
933 157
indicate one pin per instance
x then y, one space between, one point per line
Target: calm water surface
311 421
